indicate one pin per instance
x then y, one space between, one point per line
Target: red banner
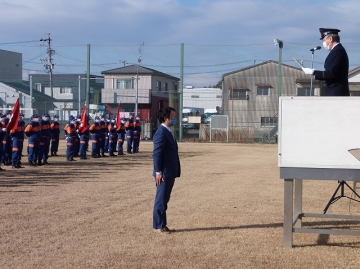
83 120
15 116
118 118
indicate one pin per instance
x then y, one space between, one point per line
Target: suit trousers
162 197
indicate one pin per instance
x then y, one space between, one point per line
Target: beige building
250 95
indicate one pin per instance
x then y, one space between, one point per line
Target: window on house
38 87
123 84
158 85
238 94
66 90
263 91
219 96
195 96
175 87
165 86
269 121
304 92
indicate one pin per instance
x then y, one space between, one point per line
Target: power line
19 42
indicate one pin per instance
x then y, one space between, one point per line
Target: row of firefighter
104 135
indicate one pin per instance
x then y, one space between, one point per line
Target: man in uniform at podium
336 65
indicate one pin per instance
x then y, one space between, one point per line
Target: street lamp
279 43
137 91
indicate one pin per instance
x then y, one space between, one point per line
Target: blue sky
219 36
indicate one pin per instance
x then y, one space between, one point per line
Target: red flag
118 118
83 120
15 116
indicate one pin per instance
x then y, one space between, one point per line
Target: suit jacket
165 154
336 72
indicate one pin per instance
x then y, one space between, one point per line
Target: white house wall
355 78
112 95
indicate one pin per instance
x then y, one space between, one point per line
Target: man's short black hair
164 113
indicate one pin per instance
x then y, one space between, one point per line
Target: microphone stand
312 66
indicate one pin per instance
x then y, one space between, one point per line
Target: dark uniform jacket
336 72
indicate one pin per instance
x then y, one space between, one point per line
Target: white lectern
315 134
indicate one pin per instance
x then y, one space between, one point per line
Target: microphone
316 48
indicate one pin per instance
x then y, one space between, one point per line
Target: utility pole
48 62
181 91
137 79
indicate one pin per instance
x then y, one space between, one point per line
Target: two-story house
135 85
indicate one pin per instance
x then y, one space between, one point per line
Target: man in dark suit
166 166
336 65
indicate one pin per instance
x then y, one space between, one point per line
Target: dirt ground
227 209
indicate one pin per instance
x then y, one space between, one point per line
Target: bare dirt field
227 209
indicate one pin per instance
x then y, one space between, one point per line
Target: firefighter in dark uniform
71 136
33 132
137 134
3 130
45 139
7 142
95 137
129 128
84 140
121 136
336 65
55 136
77 123
106 141
17 136
3 124
103 134
112 137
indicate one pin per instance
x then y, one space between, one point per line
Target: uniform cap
55 116
8 112
123 118
326 31
45 114
21 114
71 117
97 118
34 116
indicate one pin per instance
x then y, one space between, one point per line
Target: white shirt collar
163 124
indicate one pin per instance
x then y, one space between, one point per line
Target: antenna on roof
140 52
